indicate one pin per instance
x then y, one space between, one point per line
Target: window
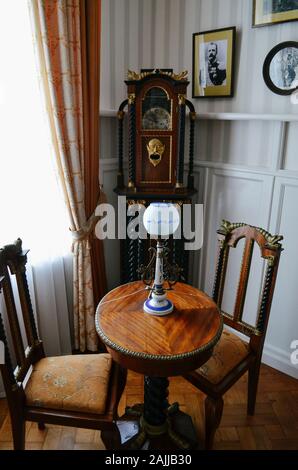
31 205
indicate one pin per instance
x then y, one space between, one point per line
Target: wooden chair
79 390
232 356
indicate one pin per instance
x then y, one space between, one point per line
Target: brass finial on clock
181 76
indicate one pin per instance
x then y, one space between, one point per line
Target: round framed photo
280 69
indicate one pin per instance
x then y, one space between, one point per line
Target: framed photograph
274 11
213 63
280 69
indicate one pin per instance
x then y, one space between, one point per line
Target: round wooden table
159 347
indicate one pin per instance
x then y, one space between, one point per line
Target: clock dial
156 118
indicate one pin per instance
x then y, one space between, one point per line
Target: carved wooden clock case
156 136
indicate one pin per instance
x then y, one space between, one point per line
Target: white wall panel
283 326
291 148
236 197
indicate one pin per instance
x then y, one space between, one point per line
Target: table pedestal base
157 425
178 434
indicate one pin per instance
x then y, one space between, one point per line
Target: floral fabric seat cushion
228 352
73 383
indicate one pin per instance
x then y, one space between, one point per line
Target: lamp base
158 304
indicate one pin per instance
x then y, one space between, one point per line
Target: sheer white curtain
31 206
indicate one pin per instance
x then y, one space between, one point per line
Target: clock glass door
155 123
156 110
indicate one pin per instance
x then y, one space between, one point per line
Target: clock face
156 118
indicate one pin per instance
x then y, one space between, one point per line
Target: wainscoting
246 171
246 166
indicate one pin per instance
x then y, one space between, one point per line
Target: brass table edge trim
156 357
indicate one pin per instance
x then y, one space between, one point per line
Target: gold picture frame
268 12
213 63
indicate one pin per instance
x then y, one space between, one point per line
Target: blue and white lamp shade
161 219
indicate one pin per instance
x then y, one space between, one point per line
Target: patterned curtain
67 34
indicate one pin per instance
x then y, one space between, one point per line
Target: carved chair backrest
229 235
13 263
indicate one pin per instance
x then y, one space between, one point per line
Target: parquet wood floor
274 426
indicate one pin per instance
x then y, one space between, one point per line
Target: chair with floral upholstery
79 390
232 356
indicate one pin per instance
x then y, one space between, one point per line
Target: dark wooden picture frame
286 68
213 63
261 18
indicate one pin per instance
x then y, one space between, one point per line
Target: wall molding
246 169
234 167
279 359
247 117
226 116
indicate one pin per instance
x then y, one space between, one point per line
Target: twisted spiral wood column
155 400
265 297
192 115
8 362
220 272
132 143
23 286
131 264
120 116
181 140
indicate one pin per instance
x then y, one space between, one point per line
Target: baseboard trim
280 360
274 357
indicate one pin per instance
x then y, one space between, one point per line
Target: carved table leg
156 400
